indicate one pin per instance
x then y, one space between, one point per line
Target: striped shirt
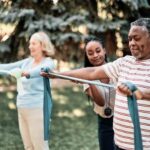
138 72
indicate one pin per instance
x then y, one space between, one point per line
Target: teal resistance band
133 109
47 105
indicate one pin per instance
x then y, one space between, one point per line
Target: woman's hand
25 74
47 75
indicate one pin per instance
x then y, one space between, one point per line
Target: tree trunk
14 41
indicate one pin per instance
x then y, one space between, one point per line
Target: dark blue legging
106 133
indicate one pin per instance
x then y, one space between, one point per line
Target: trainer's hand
47 75
76 82
44 74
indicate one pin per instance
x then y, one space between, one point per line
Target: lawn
74 125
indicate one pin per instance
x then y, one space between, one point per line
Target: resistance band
133 109
47 104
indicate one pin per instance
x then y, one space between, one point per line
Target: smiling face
95 53
139 42
35 47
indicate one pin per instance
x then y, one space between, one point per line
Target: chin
138 57
98 64
31 54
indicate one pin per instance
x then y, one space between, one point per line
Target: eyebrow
129 36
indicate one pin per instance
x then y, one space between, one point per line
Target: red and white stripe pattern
138 72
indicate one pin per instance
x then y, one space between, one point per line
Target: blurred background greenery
74 124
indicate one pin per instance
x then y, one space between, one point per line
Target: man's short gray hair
145 22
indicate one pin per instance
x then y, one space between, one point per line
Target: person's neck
143 59
104 62
37 60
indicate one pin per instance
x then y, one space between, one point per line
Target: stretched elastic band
133 109
47 105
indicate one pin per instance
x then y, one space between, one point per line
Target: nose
95 55
29 46
132 42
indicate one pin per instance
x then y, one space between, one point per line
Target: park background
68 24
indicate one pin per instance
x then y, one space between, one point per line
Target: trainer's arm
89 73
96 95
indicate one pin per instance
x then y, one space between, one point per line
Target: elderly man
135 69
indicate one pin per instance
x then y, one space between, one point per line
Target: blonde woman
30 91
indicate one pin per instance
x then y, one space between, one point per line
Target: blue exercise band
133 109
47 104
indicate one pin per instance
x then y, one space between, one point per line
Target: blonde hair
48 48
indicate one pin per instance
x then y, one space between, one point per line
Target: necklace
107 106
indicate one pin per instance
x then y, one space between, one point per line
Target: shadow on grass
74 125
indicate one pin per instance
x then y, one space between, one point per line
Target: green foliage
136 4
63 21
104 26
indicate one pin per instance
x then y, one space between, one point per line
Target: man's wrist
138 94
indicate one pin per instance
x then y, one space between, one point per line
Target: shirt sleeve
10 66
112 69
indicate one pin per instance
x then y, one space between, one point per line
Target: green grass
74 125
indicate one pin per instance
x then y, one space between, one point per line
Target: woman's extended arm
13 65
89 73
